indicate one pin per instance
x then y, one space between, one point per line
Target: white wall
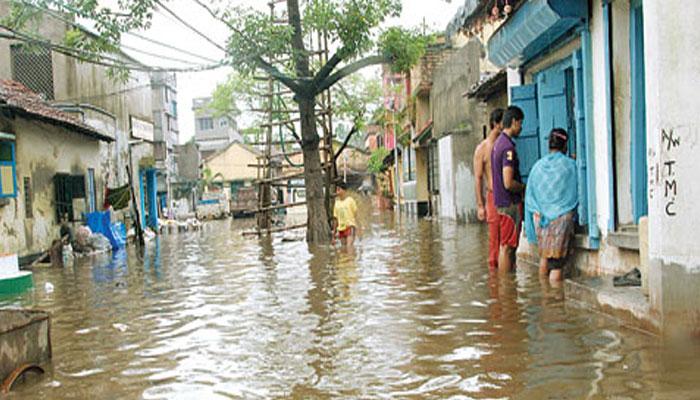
447 187
672 46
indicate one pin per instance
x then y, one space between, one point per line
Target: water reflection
410 311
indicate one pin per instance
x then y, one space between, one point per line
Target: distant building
166 132
213 133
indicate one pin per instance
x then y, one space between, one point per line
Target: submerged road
411 312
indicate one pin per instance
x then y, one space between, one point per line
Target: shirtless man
482 171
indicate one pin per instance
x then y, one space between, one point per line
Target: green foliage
356 99
256 35
350 22
404 47
375 165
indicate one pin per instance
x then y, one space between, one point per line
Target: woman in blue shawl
551 199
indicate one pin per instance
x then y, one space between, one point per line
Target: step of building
628 305
625 238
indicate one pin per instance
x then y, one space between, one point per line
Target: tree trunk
318 225
318 229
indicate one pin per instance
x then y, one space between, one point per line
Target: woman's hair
558 139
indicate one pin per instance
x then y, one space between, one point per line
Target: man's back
503 155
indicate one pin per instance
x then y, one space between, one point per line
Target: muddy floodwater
411 312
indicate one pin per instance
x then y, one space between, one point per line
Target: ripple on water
412 312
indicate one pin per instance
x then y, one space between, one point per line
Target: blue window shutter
10 165
527 144
581 150
551 93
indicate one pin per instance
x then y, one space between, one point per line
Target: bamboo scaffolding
264 162
275 230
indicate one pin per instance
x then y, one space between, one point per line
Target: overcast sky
435 13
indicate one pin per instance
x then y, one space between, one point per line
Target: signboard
141 129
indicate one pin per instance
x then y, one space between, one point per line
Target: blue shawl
552 191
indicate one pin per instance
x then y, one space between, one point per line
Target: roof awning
535 26
424 134
7 136
489 86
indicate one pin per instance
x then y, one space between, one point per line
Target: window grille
33 68
27 186
67 187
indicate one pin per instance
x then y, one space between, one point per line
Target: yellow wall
233 163
43 150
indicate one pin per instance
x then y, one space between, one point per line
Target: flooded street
412 312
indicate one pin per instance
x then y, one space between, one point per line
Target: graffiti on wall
664 181
670 141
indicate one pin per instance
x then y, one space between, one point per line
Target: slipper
632 278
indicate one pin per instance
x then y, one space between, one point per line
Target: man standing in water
482 171
344 216
508 188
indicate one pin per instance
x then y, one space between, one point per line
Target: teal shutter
553 111
527 144
581 149
639 130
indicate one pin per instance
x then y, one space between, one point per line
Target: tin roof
28 103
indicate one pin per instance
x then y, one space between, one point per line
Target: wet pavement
411 312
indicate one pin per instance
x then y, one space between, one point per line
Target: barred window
33 68
27 186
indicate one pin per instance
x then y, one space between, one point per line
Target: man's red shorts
510 225
346 233
493 220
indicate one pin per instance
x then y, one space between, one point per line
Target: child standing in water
344 215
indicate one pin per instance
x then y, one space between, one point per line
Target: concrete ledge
628 305
624 240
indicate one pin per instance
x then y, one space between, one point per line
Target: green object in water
16 284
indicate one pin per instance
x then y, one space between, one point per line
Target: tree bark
318 227
318 224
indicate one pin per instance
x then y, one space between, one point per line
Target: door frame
638 138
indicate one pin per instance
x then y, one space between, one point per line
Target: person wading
550 205
482 172
344 216
508 187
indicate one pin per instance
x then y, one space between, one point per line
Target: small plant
375 165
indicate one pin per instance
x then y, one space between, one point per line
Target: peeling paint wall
42 150
457 126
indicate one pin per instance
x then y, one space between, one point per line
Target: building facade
51 169
619 76
121 110
213 132
166 133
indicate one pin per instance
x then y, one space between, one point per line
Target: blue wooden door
581 149
527 144
639 130
552 103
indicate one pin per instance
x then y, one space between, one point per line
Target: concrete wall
457 117
42 150
188 162
232 163
672 46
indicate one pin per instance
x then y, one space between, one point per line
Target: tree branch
349 70
345 142
273 71
328 67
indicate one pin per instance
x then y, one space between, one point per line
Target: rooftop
23 101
